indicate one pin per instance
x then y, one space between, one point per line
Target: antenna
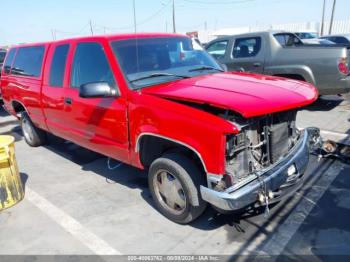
174 25
136 42
134 7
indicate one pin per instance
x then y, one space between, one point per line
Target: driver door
99 124
247 55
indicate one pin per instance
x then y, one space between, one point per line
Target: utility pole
332 17
174 26
323 11
134 7
53 33
91 29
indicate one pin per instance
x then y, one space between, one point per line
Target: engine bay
262 141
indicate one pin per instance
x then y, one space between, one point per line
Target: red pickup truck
160 102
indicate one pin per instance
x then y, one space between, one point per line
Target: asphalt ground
75 205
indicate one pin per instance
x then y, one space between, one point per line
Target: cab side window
58 65
287 40
90 65
9 60
246 47
28 61
218 49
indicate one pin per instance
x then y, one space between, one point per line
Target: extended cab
283 54
161 103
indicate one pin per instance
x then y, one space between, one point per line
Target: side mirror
97 89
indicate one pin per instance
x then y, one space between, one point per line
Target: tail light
343 66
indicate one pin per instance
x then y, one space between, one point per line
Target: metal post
323 12
332 17
174 26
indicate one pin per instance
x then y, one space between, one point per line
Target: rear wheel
174 182
32 135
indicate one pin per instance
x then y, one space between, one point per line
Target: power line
92 26
218 2
71 33
144 21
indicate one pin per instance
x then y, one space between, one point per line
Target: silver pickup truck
283 54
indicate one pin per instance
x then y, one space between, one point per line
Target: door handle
68 101
257 64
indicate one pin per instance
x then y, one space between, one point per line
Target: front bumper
275 179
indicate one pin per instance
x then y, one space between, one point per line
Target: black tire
32 135
190 178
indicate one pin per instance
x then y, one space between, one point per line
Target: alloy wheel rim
169 192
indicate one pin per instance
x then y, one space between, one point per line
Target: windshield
150 61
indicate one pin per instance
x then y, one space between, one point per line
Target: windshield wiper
157 75
205 68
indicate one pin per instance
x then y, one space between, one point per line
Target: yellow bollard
11 189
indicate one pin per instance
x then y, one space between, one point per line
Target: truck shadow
244 227
137 179
3 112
10 124
325 103
284 210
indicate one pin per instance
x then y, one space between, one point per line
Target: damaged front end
261 142
265 161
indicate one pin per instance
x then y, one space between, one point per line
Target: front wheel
32 135
174 182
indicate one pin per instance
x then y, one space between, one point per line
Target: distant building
339 27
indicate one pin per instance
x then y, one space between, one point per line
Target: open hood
247 94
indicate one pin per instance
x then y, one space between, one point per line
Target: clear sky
34 20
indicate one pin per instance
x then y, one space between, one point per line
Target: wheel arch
160 145
291 71
18 107
292 76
